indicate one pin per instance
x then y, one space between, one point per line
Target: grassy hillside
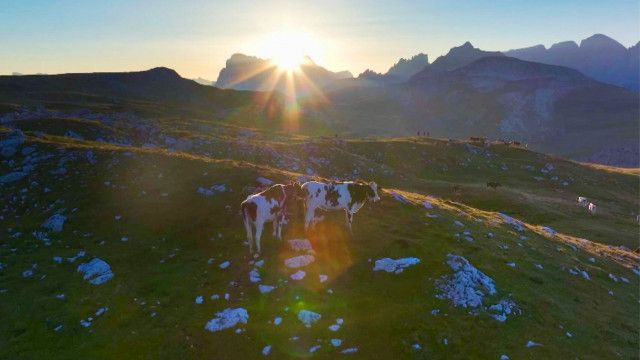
133 201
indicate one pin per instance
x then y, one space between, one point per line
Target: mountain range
598 56
470 92
399 72
242 72
466 92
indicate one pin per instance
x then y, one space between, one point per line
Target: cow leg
259 227
349 217
248 228
308 217
276 225
281 223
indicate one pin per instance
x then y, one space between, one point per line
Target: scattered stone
467 286
264 289
254 276
266 350
308 317
224 265
298 275
55 223
314 348
549 231
101 311
199 299
399 198
74 258
96 271
277 321
502 309
227 318
12 176
323 278
531 343
336 342
300 245
42 236
215 189
350 350
517 224
395 266
577 271
299 261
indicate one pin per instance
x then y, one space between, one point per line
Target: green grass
163 265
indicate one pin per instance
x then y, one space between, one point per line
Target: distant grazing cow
592 208
493 184
347 196
477 139
583 201
267 206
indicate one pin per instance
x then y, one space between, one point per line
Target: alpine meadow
291 180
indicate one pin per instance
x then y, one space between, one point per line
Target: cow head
372 192
293 190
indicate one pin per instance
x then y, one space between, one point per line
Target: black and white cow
267 206
347 196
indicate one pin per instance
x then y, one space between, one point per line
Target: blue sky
196 37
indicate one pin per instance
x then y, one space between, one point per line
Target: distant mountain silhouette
203 81
399 72
151 89
456 57
243 72
552 108
369 74
598 56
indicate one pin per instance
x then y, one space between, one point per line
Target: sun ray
287 48
244 77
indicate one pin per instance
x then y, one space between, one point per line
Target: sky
196 37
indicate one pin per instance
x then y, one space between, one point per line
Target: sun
288 48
